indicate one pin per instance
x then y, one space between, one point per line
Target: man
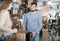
33 22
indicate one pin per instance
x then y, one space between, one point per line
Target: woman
5 21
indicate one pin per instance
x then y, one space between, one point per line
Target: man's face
33 7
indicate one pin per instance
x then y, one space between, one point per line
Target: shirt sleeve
39 24
24 22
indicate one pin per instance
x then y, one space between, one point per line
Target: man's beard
33 10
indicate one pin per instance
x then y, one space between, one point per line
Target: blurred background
49 11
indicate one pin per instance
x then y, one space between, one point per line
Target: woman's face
10 6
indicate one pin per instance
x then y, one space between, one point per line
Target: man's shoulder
38 13
27 13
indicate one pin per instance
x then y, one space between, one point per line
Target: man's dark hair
34 3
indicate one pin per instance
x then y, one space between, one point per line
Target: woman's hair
5 4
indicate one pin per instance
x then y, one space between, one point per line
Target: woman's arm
5 23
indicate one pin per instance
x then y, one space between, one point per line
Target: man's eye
33 6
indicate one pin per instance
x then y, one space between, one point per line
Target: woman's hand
15 30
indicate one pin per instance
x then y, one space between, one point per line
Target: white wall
19 1
29 2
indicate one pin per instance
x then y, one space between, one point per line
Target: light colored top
32 21
5 23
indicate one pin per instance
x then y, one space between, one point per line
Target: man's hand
33 34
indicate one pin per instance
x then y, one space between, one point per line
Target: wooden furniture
20 36
59 27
